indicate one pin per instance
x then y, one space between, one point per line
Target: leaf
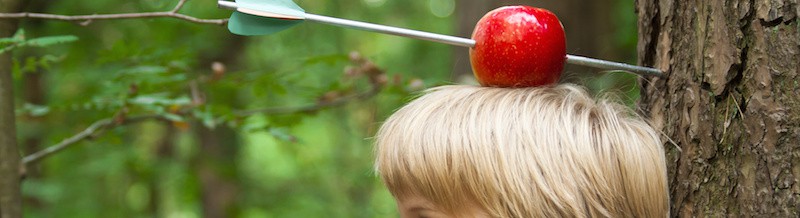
30 64
282 134
145 69
207 118
46 60
173 117
35 110
8 48
18 41
159 99
50 40
17 38
256 17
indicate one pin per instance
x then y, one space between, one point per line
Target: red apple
518 46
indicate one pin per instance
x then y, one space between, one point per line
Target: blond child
465 151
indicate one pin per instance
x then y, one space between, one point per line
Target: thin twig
197 95
89 132
178 6
88 18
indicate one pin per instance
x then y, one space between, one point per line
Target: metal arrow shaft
458 41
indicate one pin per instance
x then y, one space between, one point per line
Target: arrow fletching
281 9
263 17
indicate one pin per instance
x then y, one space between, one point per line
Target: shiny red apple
518 46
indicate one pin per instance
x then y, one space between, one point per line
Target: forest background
174 118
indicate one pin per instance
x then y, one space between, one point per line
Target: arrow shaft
227 5
452 40
464 42
458 41
610 65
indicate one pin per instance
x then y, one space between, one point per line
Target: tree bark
219 180
10 197
216 170
468 13
729 103
33 92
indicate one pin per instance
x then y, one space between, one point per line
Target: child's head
531 152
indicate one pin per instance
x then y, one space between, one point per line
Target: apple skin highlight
518 46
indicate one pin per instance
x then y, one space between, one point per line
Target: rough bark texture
10 197
730 103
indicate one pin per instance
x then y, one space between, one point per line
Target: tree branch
85 19
89 132
376 76
178 6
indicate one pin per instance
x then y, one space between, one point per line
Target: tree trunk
219 179
729 103
10 197
33 92
217 171
468 13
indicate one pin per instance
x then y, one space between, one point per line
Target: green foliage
230 131
33 110
200 81
19 41
32 64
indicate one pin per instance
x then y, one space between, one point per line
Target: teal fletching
283 7
251 25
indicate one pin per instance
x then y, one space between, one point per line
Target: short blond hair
525 152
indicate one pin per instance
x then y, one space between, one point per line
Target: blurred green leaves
33 110
19 40
301 153
285 119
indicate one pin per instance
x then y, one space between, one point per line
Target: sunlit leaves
33 110
19 40
282 134
32 64
297 165
162 103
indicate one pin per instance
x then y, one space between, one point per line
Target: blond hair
526 152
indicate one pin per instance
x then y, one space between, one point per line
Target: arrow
260 17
